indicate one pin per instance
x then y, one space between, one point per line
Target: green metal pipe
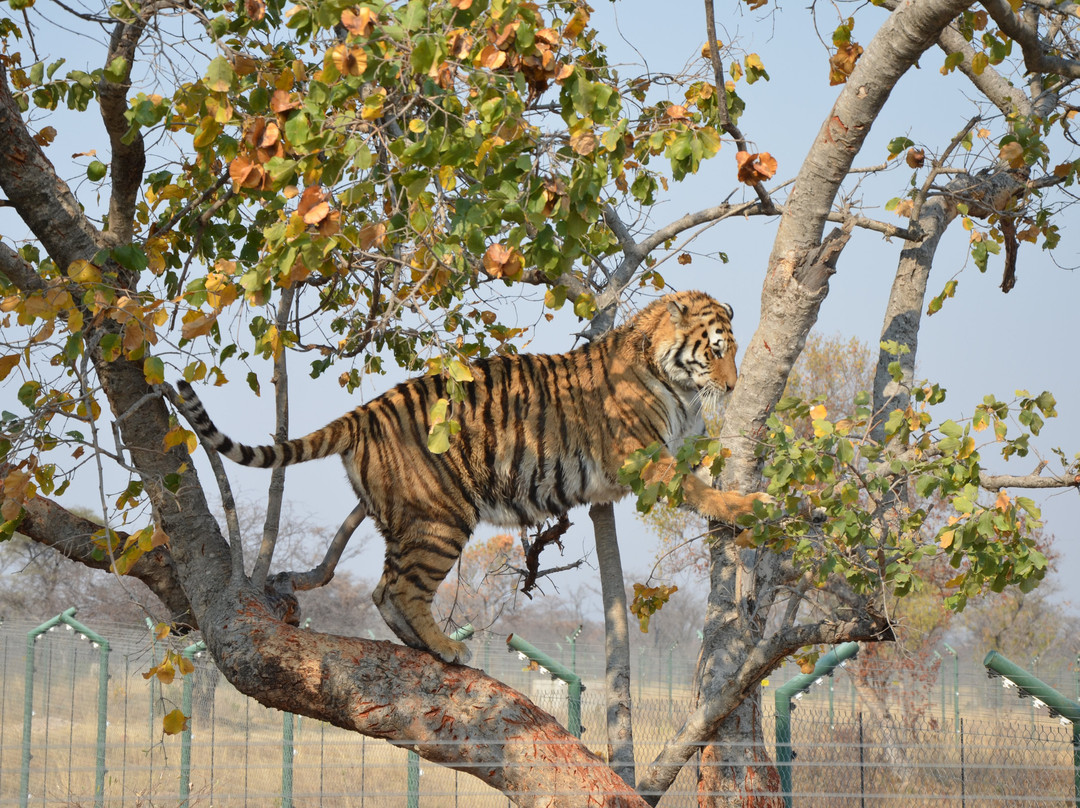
66 617
1027 683
1032 686
560 671
185 736
786 692
956 687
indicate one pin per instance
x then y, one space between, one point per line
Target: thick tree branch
1036 57
620 730
43 200
995 482
276 492
127 159
48 523
449 714
324 572
18 271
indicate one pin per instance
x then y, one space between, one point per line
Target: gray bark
616 643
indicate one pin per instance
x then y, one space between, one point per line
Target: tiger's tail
332 439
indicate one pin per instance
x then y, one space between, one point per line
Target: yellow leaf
196 324
174 723
161 631
818 412
946 539
7 363
82 271
186 666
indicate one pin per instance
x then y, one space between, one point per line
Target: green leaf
952 429
220 75
117 70
154 370
130 257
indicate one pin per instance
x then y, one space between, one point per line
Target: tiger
539 434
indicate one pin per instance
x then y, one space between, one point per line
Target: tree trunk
620 729
739 771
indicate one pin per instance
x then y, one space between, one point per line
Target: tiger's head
693 344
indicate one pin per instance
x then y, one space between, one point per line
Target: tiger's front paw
452 651
762 497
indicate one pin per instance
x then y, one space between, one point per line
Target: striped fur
539 435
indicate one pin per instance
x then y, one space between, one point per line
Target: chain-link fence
236 752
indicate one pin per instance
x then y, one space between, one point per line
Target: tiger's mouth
711 398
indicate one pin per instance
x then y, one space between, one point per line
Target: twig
550 535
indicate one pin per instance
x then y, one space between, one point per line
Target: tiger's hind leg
415 566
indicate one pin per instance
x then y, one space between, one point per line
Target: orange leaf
313 206
282 101
1013 154
755 168
255 9
349 61
842 63
677 112
684 258
358 23
198 325
915 158
583 142
492 58
501 261
372 235
1002 502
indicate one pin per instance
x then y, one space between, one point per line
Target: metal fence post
185 736
956 687
412 759
558 670
794 688
66 617
670 675
286 760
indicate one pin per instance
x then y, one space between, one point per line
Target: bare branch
324 572
276 492
1036 58
128 158
995 482
544 538
228 503
726 693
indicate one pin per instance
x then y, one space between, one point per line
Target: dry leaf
755 168
358 23
842 63
915 158
502 262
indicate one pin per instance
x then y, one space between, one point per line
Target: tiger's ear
677 312
730 311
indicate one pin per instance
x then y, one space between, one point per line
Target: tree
366 183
